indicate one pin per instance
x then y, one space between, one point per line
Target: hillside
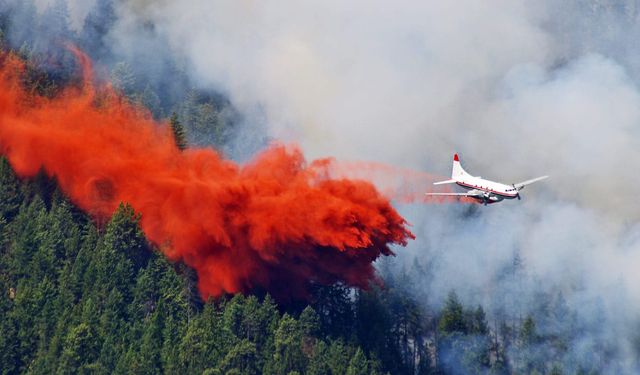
167 203
85 297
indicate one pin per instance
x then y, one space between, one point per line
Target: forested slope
80 298
85 297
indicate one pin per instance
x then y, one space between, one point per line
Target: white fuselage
493 191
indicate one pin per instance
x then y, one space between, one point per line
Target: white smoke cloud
353 79
519 88
78 10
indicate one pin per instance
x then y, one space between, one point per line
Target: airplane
483 190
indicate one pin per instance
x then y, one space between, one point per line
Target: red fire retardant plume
277 223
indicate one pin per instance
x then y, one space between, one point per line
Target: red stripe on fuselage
483 189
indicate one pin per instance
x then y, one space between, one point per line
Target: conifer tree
338 357
288 355
79 349
178 132
358 364
10 193
149 356
452 320
318 363
97 25
528 334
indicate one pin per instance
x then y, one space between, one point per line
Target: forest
82 296
78 297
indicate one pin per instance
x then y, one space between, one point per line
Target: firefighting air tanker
483 190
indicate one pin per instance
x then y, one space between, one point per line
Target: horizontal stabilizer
469 194
521 185
452 181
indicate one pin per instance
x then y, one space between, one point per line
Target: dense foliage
77 298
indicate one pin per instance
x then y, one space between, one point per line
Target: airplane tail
457 172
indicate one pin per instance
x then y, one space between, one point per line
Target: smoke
519 89
78 9
402 185
277 223
328 75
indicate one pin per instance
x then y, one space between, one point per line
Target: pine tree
528 335
123 79
178 132
335 309
242 357
10 193
148 100
27 228
205 342
124 236
358 364
206 119
452 319
377 329
288 355
97 25
149 357
528 358
338 357
478 322
318 364
79 349
309 322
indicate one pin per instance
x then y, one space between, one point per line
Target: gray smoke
78 10
519 89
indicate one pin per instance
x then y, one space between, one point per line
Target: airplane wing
452 181
519 186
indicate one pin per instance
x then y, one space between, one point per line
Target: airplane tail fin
457 171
